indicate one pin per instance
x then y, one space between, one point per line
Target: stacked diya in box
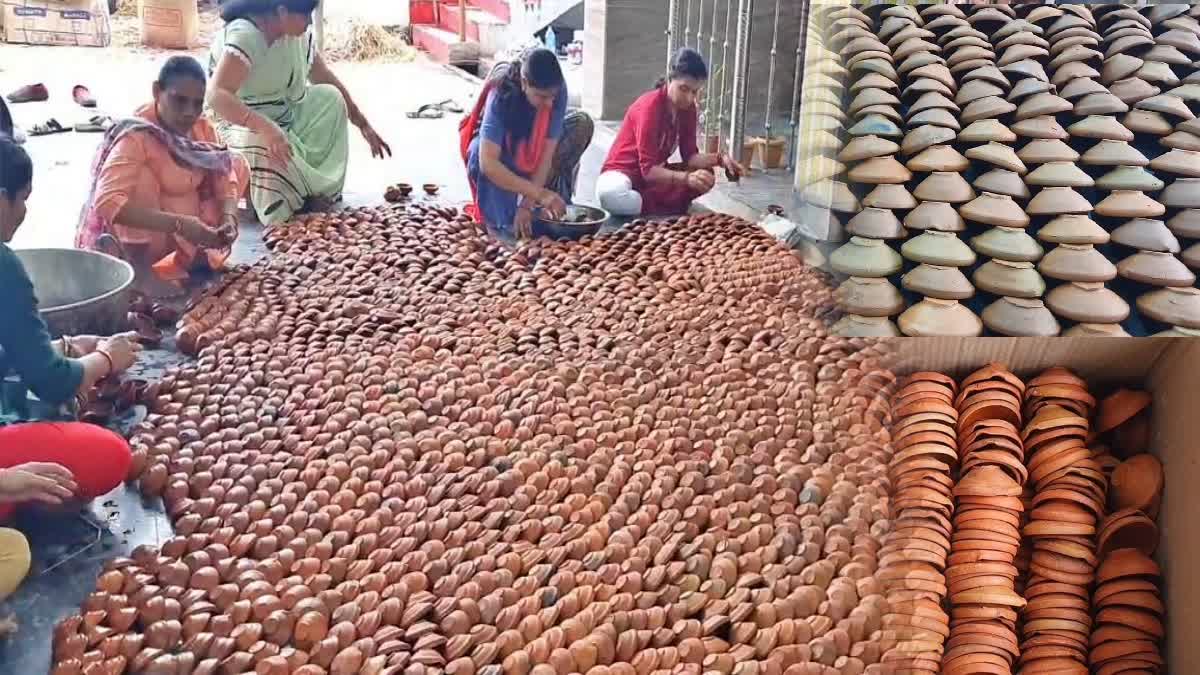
981 574
867 296
914 556
1056 140
1068 501
1127 603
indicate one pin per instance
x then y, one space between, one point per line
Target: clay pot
1020 317
1087 303
1054 201
866 147
935 216
1156 269
934 281
1184 193
861 326
1059 174
1130 204
1073 229
862 257
1129 178
1077 262
942 186
1012 279
995 209
1101 127
1146 235
1003 182
1007 243
1175 306
986 131
934 317
876 224
869 297
934 247
889 197
1113 153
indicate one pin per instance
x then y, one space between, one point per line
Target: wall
630 37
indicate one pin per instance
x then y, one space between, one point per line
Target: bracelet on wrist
112 368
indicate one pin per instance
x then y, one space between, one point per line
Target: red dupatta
527 153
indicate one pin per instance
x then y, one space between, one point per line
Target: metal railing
724 106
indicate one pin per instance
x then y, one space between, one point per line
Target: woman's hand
701 180
37 482
277 142
199 233
732 166
524 223
379 148
121 351
82 345
552 202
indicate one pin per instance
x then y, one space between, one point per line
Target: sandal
429 111
450 106
97 124
30 93
83 96
51 126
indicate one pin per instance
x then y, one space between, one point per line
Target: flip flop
450 106
50 126
429 111
83 96
97 124
30 93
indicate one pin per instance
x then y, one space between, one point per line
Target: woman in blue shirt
521 147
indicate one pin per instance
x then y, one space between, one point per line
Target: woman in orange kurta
165 190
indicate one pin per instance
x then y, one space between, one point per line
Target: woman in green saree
277 103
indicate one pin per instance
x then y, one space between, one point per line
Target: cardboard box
73 23
1169 368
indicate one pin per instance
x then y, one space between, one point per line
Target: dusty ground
120 77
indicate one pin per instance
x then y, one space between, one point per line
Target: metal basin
79 292
578 222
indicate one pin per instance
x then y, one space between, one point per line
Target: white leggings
616 194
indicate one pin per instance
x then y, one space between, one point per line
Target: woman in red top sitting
638 178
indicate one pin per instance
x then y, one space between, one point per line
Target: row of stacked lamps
1030 507
1005 152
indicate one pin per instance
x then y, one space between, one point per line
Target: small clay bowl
405 189
1137 483
431 189
1128 528
1119 407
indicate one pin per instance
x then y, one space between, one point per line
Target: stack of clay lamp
1008 504
1068 501
1020 122
822 128
1127 603
936 254
1139 66
867 296
1161 51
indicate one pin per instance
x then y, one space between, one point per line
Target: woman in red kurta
638 178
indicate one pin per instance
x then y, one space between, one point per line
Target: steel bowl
79 292
578 222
